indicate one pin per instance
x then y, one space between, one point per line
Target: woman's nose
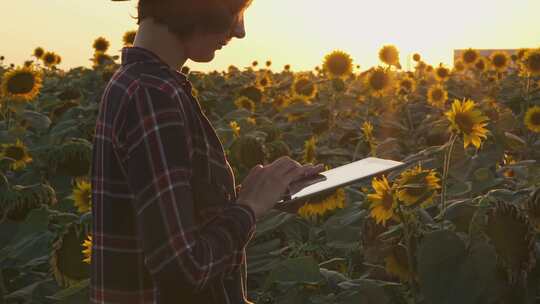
239 30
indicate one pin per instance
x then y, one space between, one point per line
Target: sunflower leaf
449 273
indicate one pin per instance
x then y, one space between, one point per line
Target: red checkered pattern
166 226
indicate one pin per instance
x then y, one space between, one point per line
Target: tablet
339 177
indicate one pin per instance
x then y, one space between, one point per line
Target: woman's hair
183 17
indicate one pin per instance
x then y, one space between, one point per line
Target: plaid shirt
166 228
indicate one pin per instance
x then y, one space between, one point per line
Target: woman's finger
295 187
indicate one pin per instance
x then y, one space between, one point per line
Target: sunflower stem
446 168
331 110
410 259
3 289
527 89
8 116
409 118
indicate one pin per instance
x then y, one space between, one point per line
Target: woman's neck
156 38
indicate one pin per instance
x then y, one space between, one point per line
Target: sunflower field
460 224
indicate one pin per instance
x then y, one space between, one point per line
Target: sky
295 32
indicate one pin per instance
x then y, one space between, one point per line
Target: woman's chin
204 58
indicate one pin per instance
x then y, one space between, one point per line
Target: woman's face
202 46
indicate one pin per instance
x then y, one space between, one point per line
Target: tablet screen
347 174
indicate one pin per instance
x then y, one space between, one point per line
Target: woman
168 223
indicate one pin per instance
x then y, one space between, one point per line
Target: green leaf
263 248
297 270
70 292
449 273
333 278
32 293
342 228
362 291
459 189
37 120
272 220
32 239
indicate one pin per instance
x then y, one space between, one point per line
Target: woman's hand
265 186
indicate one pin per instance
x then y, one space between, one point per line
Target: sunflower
87 251
367 130
235 128
459 66
532 206
397 263
383 201
232 69
512 235
309 150
101 45
21 84
18 152
532 119
280 102
72 157
389 54
185 70
101 59
303 87
252 92
437 96
254 63
521 53
379 81
507 160
129 38
49 59
264 80
82 196
481 64
67 258
38 52
338 64
268 63
466 120
469 57
416 57
407 85
287 67
334 201
251 120
417 186
292 117
442 73
244 102
532 62
499 61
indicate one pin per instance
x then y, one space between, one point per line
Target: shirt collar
134 54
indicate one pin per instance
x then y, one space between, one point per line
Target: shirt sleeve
159 168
